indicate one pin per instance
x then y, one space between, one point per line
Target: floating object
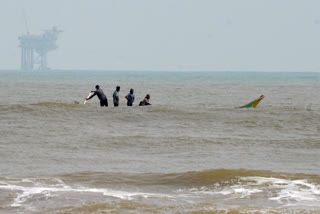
253 104
85 101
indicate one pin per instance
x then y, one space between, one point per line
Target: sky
168 35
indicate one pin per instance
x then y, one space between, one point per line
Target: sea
191 151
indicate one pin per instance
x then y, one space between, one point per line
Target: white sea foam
285 193
24 193
237 190
288 192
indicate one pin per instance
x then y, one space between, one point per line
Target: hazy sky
207 35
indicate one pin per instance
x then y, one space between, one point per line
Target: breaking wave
198 191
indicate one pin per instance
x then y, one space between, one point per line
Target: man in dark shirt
130 97
146 101
102 97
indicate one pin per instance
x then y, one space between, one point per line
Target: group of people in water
130 97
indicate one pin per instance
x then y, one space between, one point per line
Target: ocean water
192 151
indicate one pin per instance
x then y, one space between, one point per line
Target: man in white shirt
116 96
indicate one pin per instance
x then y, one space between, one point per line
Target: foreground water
192 151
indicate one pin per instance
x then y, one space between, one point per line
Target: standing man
102 97
116 96
130 98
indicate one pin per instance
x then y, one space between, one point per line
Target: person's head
118 88
148 96
131 91
97 87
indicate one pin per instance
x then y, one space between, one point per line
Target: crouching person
146 101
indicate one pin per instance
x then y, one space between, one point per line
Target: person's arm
146 102
127 97
94 94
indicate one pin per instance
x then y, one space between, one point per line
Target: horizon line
145 70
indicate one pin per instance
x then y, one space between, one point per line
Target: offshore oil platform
39 44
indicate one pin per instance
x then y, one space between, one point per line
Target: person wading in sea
130 98
116 96
145 102
102 97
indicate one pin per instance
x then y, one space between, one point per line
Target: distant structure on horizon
40 44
